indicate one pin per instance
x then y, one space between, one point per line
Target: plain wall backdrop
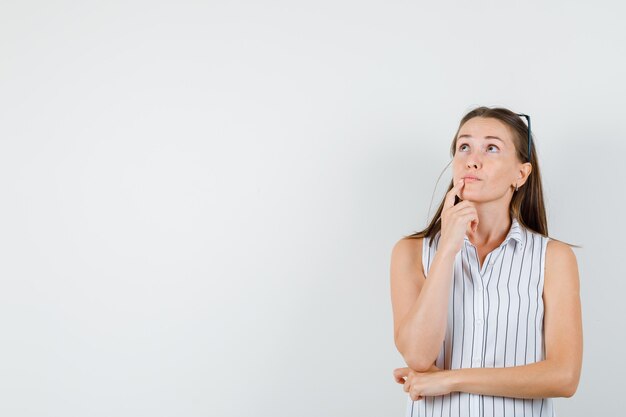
200 198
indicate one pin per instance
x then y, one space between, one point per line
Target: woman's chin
469 197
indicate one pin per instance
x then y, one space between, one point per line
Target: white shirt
495 320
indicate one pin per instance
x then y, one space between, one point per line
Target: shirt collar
515 232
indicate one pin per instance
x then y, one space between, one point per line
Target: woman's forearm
422 333
536 380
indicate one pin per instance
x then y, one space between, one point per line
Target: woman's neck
493 226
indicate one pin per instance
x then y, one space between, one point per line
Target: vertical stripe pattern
495 320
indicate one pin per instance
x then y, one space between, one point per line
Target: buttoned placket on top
478 281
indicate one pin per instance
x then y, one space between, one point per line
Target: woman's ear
524 173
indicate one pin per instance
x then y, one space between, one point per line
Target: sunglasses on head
529 137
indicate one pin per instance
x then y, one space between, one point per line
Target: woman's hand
456 219
420 384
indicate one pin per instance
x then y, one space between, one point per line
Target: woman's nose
472 161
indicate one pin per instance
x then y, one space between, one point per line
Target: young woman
486 306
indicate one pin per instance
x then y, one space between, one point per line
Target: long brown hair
527 204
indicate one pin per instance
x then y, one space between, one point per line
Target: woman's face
485 150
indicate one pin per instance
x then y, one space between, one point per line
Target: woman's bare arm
420 306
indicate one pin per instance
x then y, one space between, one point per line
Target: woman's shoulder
409 249
409 246
407 255
560 265
559 251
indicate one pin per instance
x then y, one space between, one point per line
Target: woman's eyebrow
486 137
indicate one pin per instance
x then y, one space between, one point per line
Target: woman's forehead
481 127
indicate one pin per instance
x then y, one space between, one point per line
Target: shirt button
479 288
476 361
479 322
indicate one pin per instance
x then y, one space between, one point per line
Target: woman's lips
470 179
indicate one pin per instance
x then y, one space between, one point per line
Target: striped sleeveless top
495 320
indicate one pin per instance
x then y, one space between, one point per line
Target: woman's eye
465 144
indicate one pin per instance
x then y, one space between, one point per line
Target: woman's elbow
570 384
411 358
568 391
416 363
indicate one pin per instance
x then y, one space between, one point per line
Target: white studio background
199 199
